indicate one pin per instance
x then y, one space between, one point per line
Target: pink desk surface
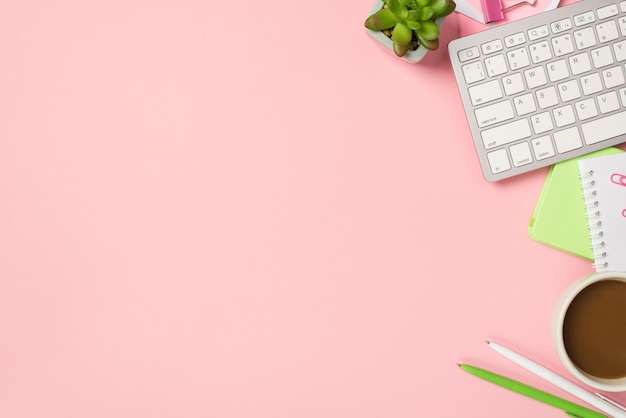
248 209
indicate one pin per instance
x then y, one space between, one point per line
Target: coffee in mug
589 330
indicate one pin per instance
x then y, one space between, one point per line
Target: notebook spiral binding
593 219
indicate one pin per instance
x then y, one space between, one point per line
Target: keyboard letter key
620 50
602 57
608 102
613 77
580 63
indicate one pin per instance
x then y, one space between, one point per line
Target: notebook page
604 187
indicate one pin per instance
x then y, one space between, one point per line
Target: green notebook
559 218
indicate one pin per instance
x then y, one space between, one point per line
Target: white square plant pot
382 39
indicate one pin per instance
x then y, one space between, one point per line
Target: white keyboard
545 88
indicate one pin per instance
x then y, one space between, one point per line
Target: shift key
505 134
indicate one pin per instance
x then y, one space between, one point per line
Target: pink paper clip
494 9
618 179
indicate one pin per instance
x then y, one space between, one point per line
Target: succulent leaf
429 30
401 34
442 7
414 25
430 44
451 8
426 13
395 6
413 16
400 50
381 20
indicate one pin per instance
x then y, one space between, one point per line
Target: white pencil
558 381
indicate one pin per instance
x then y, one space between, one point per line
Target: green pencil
570 408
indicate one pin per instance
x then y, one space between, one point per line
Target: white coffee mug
558 319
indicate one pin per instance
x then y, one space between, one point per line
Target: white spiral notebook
603 182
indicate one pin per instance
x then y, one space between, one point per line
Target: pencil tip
488 342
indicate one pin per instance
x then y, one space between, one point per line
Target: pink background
249 209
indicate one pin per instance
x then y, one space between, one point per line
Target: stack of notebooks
582 209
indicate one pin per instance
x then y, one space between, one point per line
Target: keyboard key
547 97
567 140
620 50
473 72
505 134
485 93
563 45
468 54
584 18
607 31
520 154
494 113
564 116
602 57
591 83
585 38
580 63
586 109
540 52
607 11
569 90
608 102
514 40
513 84
542 122
535 77
613 77
518 58
561 25
599 130
557 70
542 147
495 65
538 32
498 161
492 47
524 104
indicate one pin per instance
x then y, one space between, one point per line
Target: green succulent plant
410 22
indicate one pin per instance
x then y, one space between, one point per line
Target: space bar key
606 128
